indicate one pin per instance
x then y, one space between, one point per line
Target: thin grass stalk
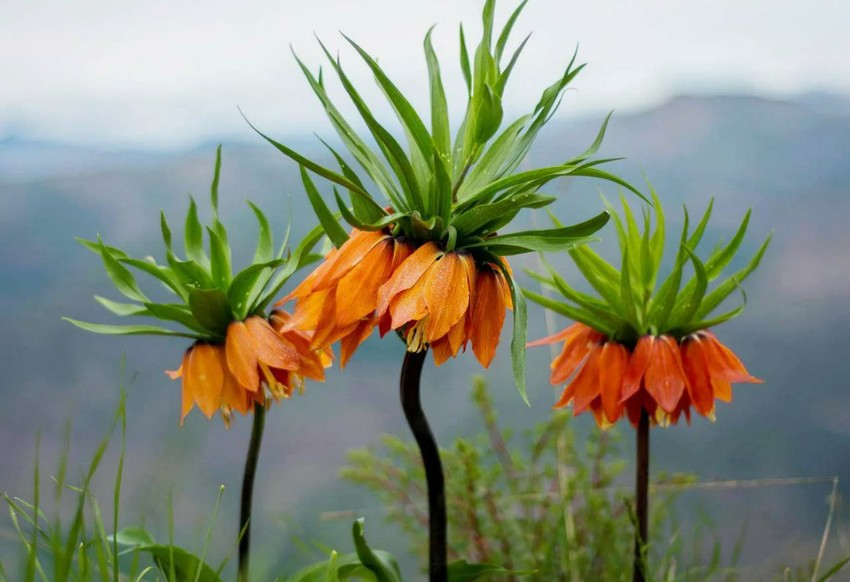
832 501
411 372
641 499
248 492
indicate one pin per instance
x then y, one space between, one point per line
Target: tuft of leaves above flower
208 294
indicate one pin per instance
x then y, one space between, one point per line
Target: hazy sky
172 72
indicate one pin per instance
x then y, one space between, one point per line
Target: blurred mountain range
788 160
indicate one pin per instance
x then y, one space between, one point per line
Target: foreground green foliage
547 504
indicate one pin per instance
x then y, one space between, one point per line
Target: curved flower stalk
641 349
427 255
241 360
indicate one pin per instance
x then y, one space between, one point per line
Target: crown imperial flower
239 358
637 349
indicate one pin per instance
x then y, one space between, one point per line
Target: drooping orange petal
587 382
558 337
233 396
664 379
409 305
612 369
488 316
206 377
723 362
348 256
308 311
696 371
576 348
350 343
722 389
638 362
442 350
242 356
174 374
357 292
446 294
271 348
407 274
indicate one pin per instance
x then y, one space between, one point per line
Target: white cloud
165 72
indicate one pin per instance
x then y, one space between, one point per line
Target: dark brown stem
248 492
411 372
641 498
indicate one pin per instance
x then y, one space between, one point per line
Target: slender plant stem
248 491
411 371
641 498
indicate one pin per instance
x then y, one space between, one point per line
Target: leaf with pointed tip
722 291
219 259
326 218
570 311
381 563
193 235
129 329
121 277
243 289
176 312
265 240
520 333
439 107
122 309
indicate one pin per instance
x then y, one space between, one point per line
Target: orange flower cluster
256 354
438 299
661 375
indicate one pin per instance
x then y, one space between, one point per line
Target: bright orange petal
723 362
233 396
442 350
577 346
348 256
638 362
587 382
696 370
242 356
357 292
665 379
446 294
612 369
488 316
409 305
206 377
349 344
407 274
271 349
558 337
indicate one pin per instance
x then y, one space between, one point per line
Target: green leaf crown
209 296
629 303
461 191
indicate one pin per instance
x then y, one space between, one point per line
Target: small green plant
549 507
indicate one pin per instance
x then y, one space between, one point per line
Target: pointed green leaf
245 286
520 333
506 31
464 62
722 291
175 312
439 107
193 237
121 277
185 566
381 563
463 571
122 309
265 241
575 313
219 260
129 329
326 218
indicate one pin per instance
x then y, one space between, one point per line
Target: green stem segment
411 371
641 498
248 491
